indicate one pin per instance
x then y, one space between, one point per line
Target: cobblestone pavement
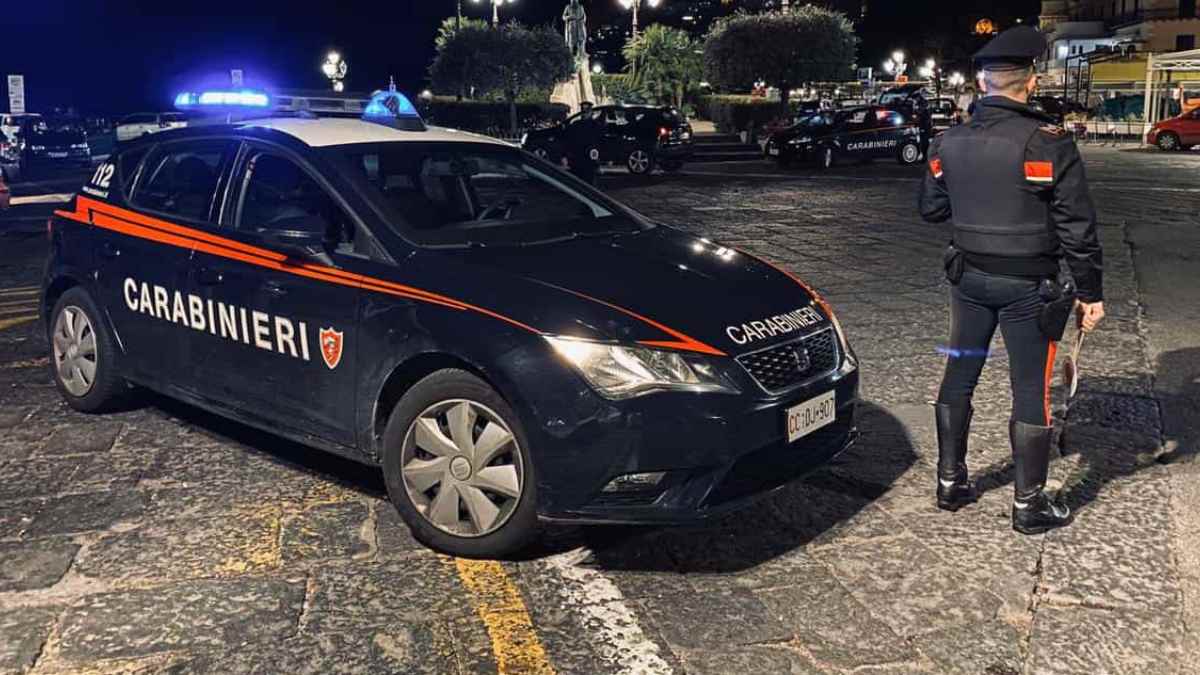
163 539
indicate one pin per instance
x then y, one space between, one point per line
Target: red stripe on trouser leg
1051 352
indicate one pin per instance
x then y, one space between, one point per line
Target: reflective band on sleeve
1039 172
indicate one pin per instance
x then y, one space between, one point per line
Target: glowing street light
335 69
634 4
496 8
956 79
896 65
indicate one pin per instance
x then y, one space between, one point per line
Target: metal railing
1108 132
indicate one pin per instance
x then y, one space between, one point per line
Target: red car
1176 133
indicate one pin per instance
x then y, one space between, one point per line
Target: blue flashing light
245 98
393 109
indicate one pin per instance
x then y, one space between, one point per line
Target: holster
1059 295
954 263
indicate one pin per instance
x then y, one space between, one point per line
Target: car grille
783 367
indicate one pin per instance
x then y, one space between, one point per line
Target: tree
783 49
506 61
463 62
664 63
529 58
452 24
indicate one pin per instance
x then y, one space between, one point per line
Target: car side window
181 179
277 194
138 119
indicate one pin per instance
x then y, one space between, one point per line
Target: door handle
275 288
109 251
208 277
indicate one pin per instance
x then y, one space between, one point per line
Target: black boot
1033 510
954 490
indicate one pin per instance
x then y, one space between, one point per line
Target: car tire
469 527
826 159
910 153
640 161
1168 141
76 328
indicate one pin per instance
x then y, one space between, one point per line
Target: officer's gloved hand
1090 315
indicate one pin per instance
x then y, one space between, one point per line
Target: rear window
174 117
181 179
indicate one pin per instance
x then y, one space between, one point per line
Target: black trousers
978 304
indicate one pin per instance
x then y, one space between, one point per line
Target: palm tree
664 63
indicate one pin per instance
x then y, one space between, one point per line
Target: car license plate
773 151
56 155
807 417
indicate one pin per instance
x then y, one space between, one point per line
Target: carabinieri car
855 134
507 343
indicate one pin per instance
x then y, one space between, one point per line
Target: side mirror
301 236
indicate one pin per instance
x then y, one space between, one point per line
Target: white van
143 124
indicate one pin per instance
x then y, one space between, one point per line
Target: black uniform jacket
1014 185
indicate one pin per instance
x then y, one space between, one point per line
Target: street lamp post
495 8
335 69
634 4
896 65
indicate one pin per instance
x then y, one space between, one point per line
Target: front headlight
620 371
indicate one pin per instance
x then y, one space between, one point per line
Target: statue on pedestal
578 89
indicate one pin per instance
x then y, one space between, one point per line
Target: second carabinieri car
855 134
506 342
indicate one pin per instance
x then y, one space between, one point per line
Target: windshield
457 194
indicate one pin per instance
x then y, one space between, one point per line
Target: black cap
1014 49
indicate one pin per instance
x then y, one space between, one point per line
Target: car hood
660 287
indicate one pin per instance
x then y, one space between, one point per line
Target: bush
732 114
617 86
489 117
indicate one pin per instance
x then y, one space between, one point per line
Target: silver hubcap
75 350
1167 142
910 153
462 468
639 161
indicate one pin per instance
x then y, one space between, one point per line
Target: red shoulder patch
1053 130
1039 172
935 167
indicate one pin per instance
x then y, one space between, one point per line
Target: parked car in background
1056 107
1176 133
144 124
859 134
54 141
943 113
10 157
637 136
11 125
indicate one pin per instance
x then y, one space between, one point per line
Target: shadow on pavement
815 507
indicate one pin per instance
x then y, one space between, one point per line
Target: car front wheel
84 354
1168 141
458 468
910 153
639 161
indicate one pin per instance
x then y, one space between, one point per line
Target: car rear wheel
1168 141
910 153
457 466
84 354
640 161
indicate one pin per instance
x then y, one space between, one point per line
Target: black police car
638 137
506 342
855 134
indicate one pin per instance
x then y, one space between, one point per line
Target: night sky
114 56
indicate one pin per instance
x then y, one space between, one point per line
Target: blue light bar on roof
245 98
393 109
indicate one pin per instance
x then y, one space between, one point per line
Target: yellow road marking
16 321
498 602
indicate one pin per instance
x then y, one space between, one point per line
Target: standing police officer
1014 186
583 144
